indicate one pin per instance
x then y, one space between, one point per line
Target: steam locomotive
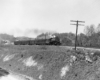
49 41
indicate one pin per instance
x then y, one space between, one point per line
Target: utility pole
77 24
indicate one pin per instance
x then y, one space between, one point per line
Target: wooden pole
77 24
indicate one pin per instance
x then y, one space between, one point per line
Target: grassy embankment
53 59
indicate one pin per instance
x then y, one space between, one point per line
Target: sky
32 17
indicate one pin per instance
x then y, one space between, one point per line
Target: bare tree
98 28
89 30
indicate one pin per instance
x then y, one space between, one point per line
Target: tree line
90 37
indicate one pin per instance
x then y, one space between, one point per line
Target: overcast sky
21 17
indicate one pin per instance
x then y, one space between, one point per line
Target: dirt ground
50 62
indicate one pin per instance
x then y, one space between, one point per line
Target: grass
53 58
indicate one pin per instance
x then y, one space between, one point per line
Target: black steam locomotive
50 41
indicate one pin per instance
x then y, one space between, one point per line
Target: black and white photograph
49 39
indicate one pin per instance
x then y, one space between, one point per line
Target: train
49 41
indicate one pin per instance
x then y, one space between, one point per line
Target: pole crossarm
81 24
77 21
73 24
77 24
82 21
